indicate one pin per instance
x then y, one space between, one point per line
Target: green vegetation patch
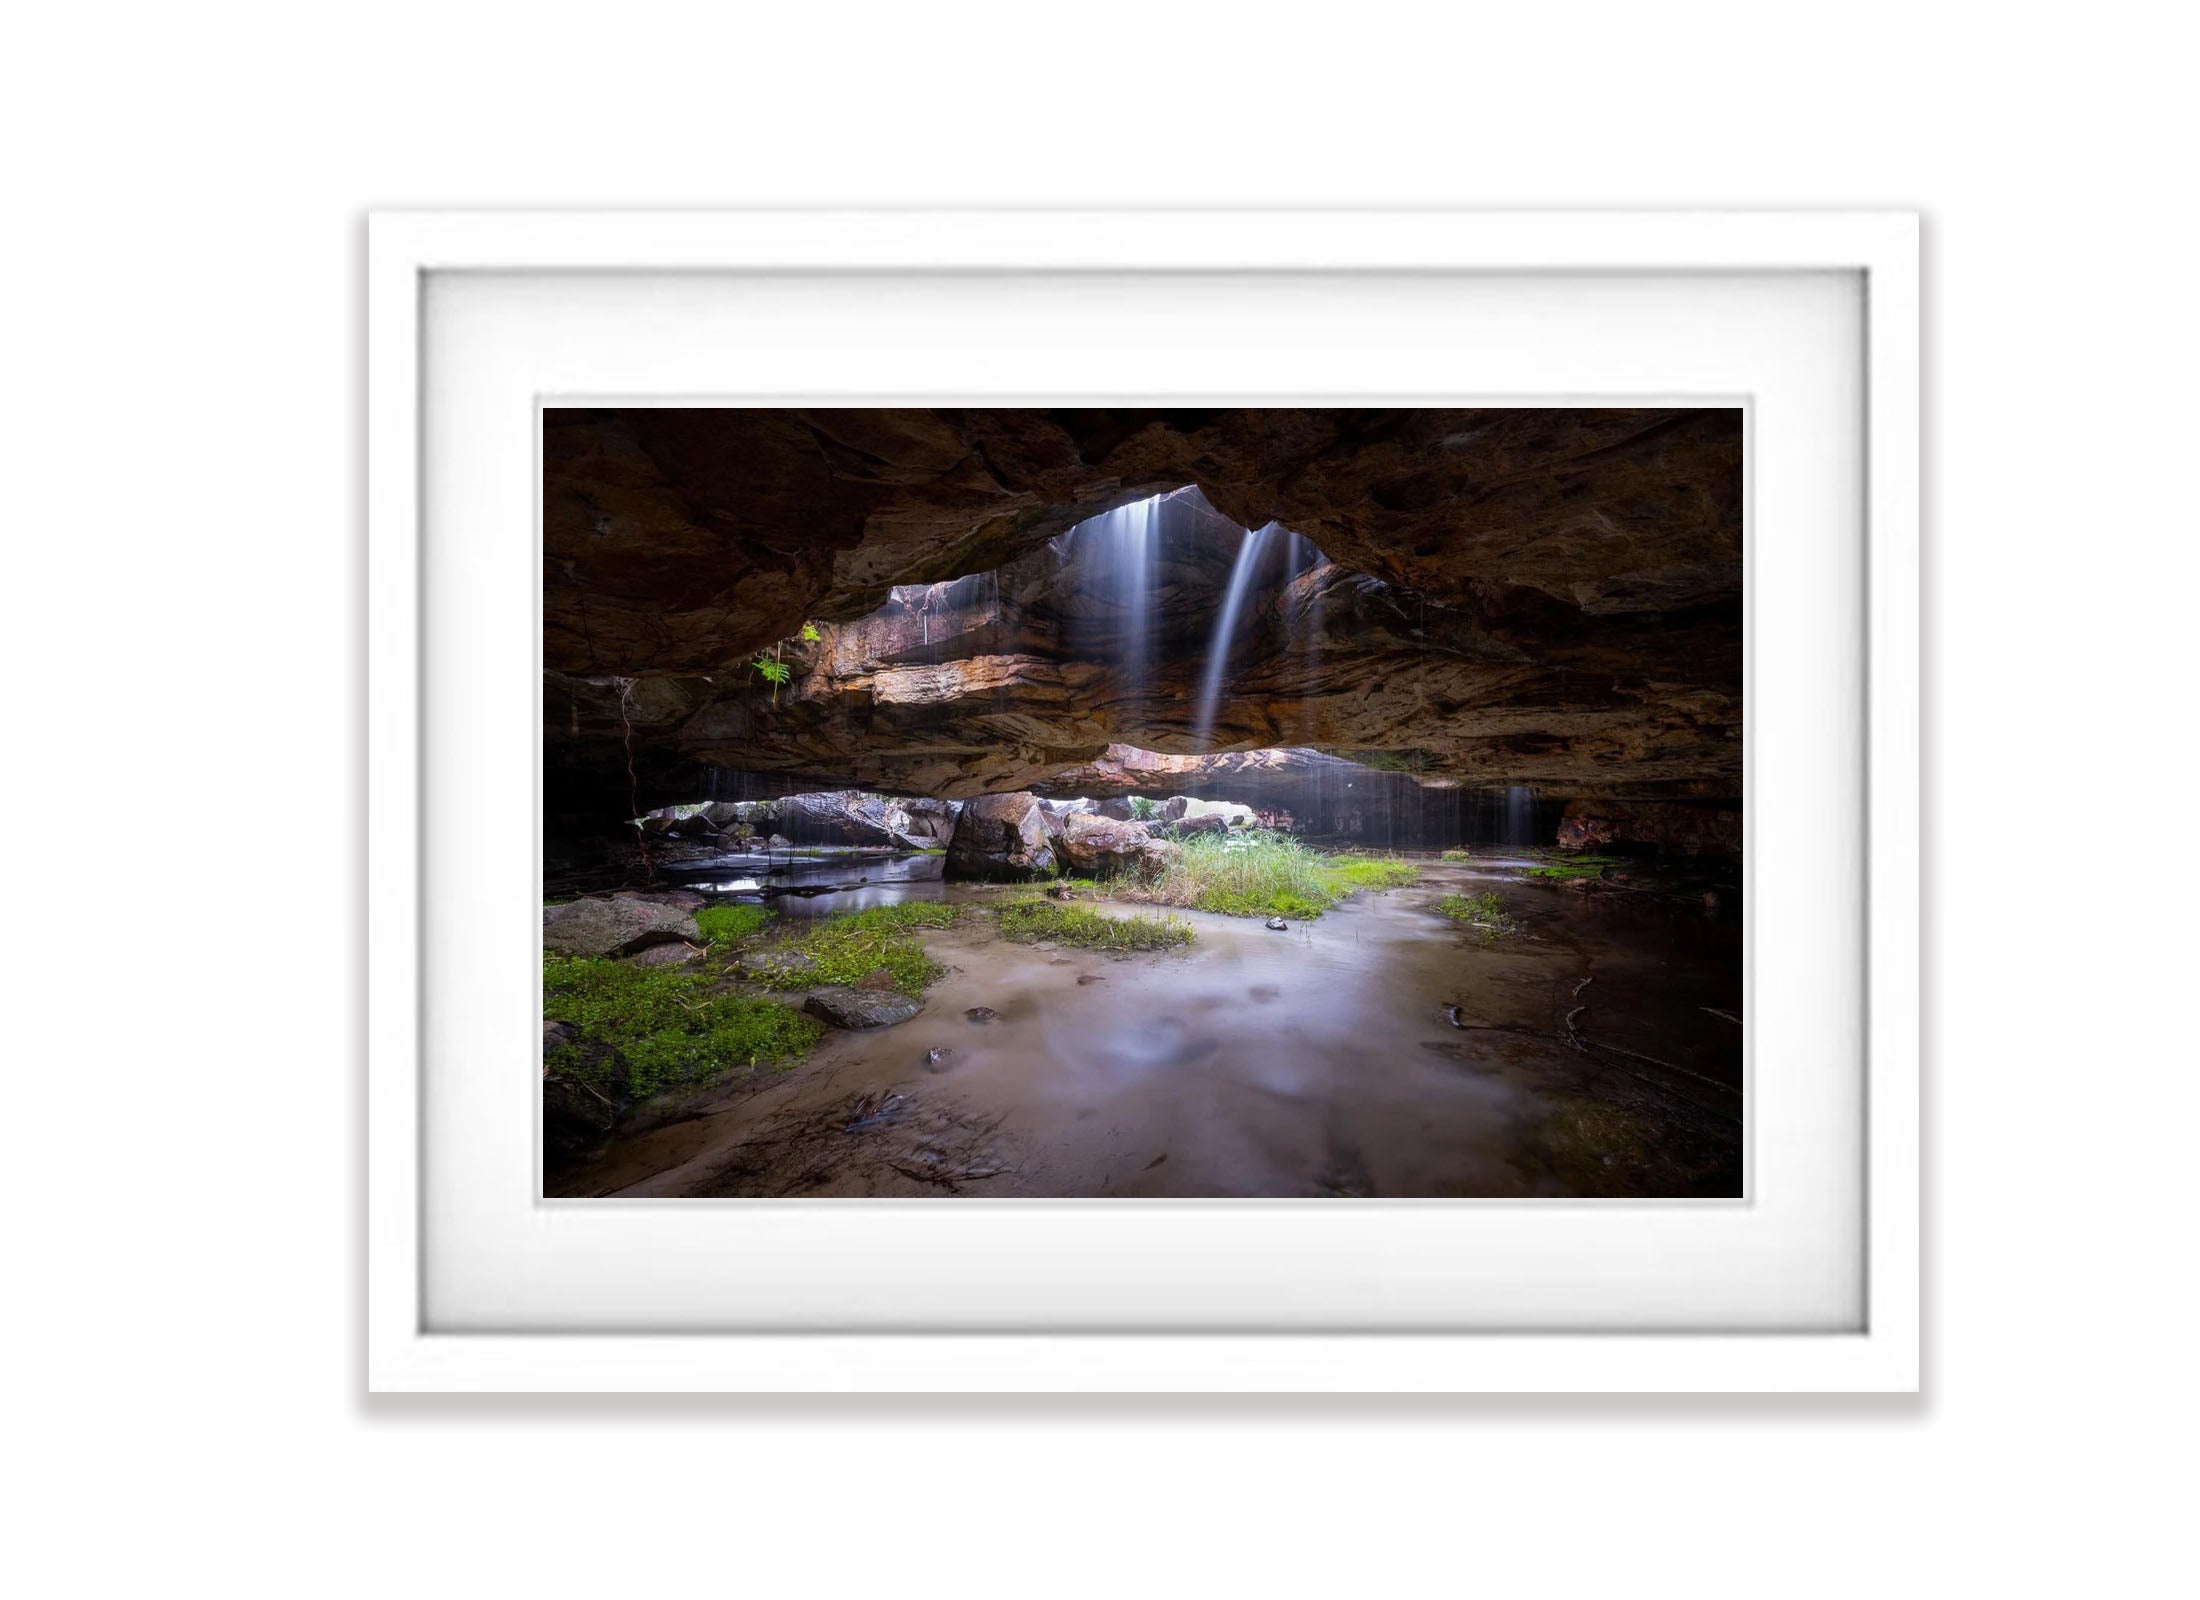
848 949
1573 867
666 1028
1028 921
1458 855
724 925
1485 913
1252 872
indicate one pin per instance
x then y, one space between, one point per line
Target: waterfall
1218 652
1519 814
1305 641
1115 553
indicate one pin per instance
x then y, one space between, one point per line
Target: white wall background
182 510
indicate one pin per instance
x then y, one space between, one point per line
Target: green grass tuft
848 949
1028 921
1458 855
1576 867
724 925
1485 913
1255 873
666 1028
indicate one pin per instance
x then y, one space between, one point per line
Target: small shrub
1457 855
1028 921
723 925
1143 809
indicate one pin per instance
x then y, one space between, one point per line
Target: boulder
838 816
1004 836
1583 833
615 926
1173 808
1196 825
862 1007
1116 808
931 822
1104 847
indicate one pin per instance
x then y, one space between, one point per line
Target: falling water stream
1116 554
1218 652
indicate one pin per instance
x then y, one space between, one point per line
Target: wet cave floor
1594 1049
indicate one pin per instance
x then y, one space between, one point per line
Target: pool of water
1596 1050
813 883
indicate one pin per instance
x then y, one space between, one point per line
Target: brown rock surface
1509 596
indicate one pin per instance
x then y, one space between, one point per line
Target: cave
1143 803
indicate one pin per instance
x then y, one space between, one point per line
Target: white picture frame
408 1350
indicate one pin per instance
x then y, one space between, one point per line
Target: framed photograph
1143 801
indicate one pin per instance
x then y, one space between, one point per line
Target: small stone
937 1058
982 1015
1092 977
862 1008
1277 924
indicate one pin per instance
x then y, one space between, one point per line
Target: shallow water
871 877
1377 1050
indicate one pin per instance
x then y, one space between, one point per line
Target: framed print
1143 801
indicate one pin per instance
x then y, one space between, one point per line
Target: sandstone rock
614 926
1583 833
1545 596
1676 827
1003 836
678 899
1103 848
1116 808
675 954
862 1008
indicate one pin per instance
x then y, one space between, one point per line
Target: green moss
1574 867
666 1028
1345 874
1028 921
1483 913
848 949
1457 855
724 925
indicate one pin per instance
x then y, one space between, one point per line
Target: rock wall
1545 597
